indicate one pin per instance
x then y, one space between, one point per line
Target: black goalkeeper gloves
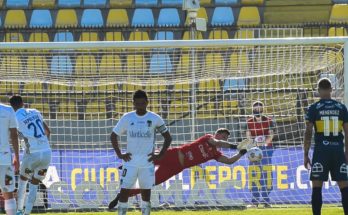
242 152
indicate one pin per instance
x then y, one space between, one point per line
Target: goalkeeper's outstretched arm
234 158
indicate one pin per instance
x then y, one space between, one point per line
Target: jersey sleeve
121 126
160 125
217 155
345 114
13 121
310 116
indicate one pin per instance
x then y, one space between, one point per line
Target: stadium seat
89 36
33 88
252 2
13 37
61 65
249 16
114 36
213 62
183 67
239 62
41 19
68 110
178 108
44 108
117 18
233 84
66 18
120 3
63 37
39 37
92 18
86 66
218 34
11 65
138 36
339 13
172 3
244 34
17 3
1 3
186 35
210 85
314 32
201 13
43 3
226 2
160 64
143 18
168 17
145 3
95 110
94 3
15 19
68 3
229 107
110 65
164 35
206 3
37 63
222 16
10 87
339 31
136 64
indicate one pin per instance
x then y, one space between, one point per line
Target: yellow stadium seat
244 34
153 86
95 110
183 65
13 37
339 31
120 3
86 66
114 36
57 88
132 87
37 66
110 65
66 18
249 16
33 88
15 19
213 63
12 66
239 62
252 2
201 13
136 64
229 107
89 36
138 36
106 88
178 108
39 37
44 108
154 106
10 87
117 18
206 3
86 86
68 110
207 110
43 3
210 85
339 13
218 34
186 35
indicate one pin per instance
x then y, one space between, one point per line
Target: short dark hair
324 84
257 103
139 94
16 100
222 130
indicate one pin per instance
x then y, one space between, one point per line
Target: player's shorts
35 164
7 178
145 176
329 160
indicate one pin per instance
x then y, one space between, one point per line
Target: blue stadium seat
164 35
17 3
160 63
168 17
222 16
145 3
61 65
230 84
225 2
68 3
143 18
171 3
63 37
41 19
94 3
92 18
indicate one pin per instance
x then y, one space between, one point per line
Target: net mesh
83 92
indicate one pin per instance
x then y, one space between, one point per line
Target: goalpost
83 88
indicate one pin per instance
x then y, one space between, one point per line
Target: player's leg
266 176
317 199
255 168
146 179
7 186
128 179
25 173
145 203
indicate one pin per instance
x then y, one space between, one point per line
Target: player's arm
345 128
47 129
307 143
270 136
231 160
14 141
221 143
167 141
115 145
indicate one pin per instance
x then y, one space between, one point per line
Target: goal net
82 89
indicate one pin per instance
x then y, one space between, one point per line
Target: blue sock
344 193
317 200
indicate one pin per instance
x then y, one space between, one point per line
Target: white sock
122 208
31 198
145 208
10 206
22 189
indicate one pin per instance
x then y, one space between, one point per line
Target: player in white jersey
37 156
8 129
141 127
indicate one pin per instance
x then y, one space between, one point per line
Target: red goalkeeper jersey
199 151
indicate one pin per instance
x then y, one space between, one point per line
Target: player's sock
317 200
122 208
145 208
10 206
344 193
31 198
22 189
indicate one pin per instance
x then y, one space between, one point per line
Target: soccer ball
255 154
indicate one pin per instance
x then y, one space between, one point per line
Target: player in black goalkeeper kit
329 118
